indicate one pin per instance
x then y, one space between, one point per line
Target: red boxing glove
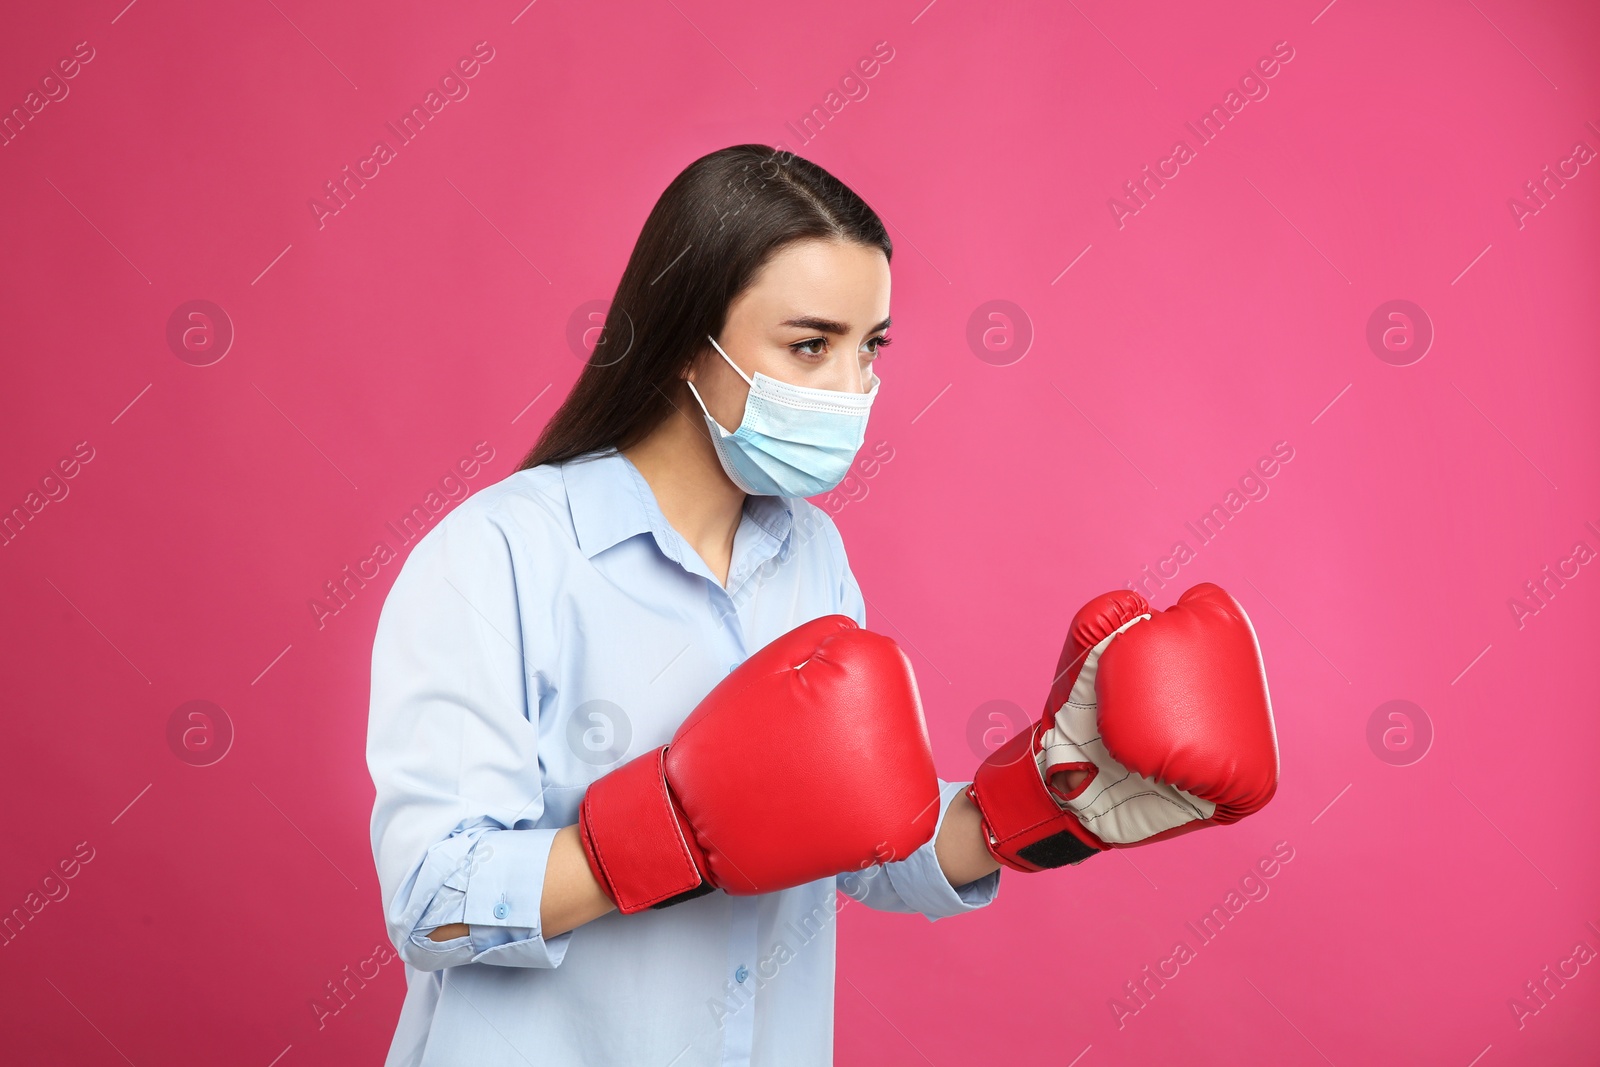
852 784
1166 712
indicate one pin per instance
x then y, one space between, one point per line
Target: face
815 316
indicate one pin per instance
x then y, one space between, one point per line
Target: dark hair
712 229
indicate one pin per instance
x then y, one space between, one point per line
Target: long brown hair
714 227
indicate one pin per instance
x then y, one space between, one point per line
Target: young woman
572 615
556 629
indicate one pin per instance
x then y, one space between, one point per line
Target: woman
655 539
573 614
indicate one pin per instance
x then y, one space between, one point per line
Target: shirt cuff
920 881
503 893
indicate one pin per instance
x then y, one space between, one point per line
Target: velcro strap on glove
634 840
1024 826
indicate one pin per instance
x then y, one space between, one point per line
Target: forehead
841 279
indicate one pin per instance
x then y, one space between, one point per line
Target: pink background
436 310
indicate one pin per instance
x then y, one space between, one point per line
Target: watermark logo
993 723
1538 193
999 332
599 733
1138 993
1539 992
1538 592
1206 527
852 886
340 591
199 332
52 90
349 984
854 487
199 732
1137 193
53 489
1399 332
53 889
586 334
453 87
852 89
1399 733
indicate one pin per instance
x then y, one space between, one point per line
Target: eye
879 342
802 348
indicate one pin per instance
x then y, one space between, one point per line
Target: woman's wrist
572 894
960 848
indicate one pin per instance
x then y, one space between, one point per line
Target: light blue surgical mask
793 440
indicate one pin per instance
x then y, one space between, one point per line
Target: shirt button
732 667
741 974
501 911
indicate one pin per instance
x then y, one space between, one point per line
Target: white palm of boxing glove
1117 805
1158 723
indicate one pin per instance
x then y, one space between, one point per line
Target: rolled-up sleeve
917 883
453 753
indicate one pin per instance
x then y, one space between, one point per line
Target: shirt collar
610 502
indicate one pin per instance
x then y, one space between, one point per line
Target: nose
857 378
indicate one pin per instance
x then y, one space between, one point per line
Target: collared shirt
549 629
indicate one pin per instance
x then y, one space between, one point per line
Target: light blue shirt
549 629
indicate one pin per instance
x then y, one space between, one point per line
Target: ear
690 372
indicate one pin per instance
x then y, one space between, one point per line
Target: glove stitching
1104 788
1191 809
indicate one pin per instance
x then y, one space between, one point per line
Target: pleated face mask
793 440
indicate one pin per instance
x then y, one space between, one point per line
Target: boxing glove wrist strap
1023 825
635 840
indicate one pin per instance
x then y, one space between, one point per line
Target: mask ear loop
699 400
747 379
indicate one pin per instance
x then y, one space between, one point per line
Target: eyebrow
821 325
